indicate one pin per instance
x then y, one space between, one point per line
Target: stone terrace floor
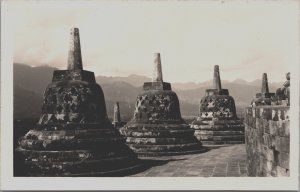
219 161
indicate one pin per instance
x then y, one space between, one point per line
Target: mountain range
30 83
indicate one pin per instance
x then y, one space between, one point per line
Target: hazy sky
245 38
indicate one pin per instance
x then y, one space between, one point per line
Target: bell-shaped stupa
157 128
73 136
217 122
265 97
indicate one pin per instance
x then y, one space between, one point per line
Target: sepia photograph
150 94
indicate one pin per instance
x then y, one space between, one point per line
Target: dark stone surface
267 140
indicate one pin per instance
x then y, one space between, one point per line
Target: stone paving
219 161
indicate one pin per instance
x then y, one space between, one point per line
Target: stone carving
217 122
217 108
157 128
73 136
157 107
283 93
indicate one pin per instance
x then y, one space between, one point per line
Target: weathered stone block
286 114
279 129
206 137
282 172
282 144
259 125
267 114
267 141
273 127
205 132
253 113
266 126
287 128
261 112
284 160
267 168
268 154
275 115
257 113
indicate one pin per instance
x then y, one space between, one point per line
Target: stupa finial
217 80
74 58
264 86
157 72
117 116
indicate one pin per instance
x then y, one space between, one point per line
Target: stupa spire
74 57
217 80
157 72
264 86
117 116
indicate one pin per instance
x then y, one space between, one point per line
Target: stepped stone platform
157 128
220 132
74 136
217 122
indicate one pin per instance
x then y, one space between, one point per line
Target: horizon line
142 75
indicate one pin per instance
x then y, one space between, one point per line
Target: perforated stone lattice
217 107
73 104
153 107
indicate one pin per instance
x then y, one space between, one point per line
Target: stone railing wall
267 136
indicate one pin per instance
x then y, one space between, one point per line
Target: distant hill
27 104
134 80
32 78
257 82
30 83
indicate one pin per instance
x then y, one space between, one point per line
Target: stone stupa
265 97
73 136
217 122
157 128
